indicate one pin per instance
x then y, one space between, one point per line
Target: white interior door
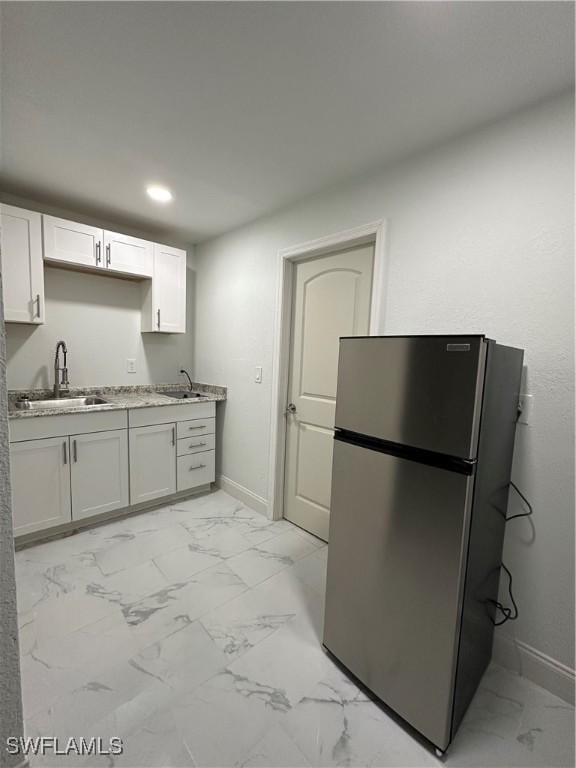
99 472
331 299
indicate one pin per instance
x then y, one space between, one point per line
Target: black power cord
509 614
525 500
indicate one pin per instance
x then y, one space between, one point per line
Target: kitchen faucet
61 386
188 377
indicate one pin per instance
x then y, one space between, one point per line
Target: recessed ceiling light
159 194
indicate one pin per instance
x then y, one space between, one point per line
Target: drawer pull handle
200 426
198 466
196 445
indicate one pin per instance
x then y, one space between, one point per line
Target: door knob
290 408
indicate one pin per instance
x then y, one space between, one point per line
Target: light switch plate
131 365
258 375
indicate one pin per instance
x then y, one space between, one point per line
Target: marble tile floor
193 633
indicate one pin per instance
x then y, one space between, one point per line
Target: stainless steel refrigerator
423 451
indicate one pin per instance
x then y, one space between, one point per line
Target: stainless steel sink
179 395
59 402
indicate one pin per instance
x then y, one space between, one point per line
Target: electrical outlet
526 405
258 375
131 365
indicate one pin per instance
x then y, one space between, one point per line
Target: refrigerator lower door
420 391
396 560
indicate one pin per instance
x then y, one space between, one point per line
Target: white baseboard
535 666
252 500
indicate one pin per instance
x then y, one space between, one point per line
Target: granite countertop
117 398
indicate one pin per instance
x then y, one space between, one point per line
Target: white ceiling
241 108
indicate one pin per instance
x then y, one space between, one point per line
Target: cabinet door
129 255
72 243
169 289
152 462
22 265
99 463
40 476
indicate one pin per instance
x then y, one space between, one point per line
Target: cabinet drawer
195 470
195 444
165 414
37 427
196 427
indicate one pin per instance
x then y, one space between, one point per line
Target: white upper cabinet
161 267
130 255
170 288
22 267
69 242
165 299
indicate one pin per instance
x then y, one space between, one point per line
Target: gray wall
10 693
99 318
480 239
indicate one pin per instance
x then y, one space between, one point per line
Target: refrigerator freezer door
398 538
420 391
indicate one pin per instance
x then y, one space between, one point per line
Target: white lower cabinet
99 472
152 462
40 476
60 479
77 466
195 469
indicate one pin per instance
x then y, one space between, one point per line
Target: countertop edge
119 399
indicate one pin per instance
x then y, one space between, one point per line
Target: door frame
374 232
